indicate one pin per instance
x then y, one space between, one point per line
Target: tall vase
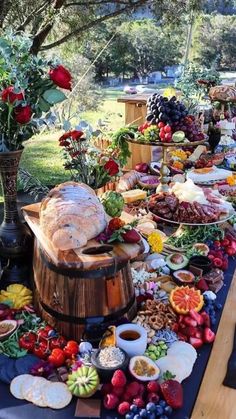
15 237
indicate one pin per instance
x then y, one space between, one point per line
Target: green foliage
120 143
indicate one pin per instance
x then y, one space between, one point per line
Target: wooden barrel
93 285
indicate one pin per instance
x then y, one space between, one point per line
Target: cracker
57 395
35 395
27 387
16 385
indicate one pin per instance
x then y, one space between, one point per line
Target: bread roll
71 215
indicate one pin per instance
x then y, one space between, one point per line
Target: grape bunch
162 109
189 126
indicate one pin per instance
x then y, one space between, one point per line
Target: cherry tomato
59 342
57 357
27 341
43 333
41 349
72 348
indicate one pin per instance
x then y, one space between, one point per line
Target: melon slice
184 299
143 368
183 349
179 366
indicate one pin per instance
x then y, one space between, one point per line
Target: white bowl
7 334
132 347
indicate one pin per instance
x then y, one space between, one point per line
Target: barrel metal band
107 271
82 320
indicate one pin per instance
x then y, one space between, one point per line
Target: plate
196 224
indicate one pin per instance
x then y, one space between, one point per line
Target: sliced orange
183 299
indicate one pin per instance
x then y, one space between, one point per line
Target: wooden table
214 400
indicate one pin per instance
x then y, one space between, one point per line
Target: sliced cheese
134 195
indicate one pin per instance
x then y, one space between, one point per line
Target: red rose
64 143
8 95
23 114
61 77
111 167
76 135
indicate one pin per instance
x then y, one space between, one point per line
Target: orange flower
178 165
231 180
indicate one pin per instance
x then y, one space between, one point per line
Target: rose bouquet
28 89
87 164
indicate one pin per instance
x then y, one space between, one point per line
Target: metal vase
15 236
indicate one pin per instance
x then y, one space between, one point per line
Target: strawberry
189 321
202 284
199 333
182 337
118 379
111 401
115 224
189 331
173 393
131 236
196 316
196 342
175 327
208 335
206 319
153 387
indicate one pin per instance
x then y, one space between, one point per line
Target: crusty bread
71 214
223 93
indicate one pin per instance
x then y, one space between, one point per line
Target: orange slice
183 299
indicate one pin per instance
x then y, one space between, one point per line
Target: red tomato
59 342
27 341
72 348
41 349
167 129
43 333
57 357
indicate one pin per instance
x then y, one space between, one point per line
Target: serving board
77 258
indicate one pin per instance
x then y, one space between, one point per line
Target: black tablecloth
11 408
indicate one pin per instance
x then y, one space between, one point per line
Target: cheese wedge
134 195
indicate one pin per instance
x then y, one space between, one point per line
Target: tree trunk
5 6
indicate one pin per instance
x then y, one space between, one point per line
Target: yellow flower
180 154
155 242
231 180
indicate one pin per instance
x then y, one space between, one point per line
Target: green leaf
54 96
44 105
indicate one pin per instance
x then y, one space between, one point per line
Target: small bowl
201 262
143 182
106 373
13 323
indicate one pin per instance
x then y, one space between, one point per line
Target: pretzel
156 322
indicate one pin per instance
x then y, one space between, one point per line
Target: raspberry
141 389
138 402
118 391
110 401
123 408
153 398
133 388
118 379
106 388
127 397
153 387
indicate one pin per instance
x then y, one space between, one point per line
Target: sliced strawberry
175 327
181 318
195 342
173 393
198 333
196 316
189 321
208 335
189 331
182 337
206 319
131 236
202 284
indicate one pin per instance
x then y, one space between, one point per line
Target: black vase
15 236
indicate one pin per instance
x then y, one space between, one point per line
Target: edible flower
155 242
231 180
178 165
180 154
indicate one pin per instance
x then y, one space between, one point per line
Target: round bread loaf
71 214
223 93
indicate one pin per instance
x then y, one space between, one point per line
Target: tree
54 22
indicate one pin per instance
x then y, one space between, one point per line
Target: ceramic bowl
106 373
5 335
201 262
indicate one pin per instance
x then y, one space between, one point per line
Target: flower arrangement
28 90
155 241
87 164
231 180
179 155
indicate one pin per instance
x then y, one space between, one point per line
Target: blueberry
207 310
218 306
151 416
163 417
213 320
168 410
143 413
162 403
129 416
133 408
159 410
151 407
137 417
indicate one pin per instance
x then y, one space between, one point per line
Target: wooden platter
92 256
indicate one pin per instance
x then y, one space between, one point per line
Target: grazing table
212 401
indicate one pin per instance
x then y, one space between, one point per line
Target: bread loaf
71 214
223 93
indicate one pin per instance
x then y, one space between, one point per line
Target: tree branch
92 24
31 16
5 6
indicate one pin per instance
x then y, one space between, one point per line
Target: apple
168 137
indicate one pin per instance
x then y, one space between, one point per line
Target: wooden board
216 401
76 258
142 99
